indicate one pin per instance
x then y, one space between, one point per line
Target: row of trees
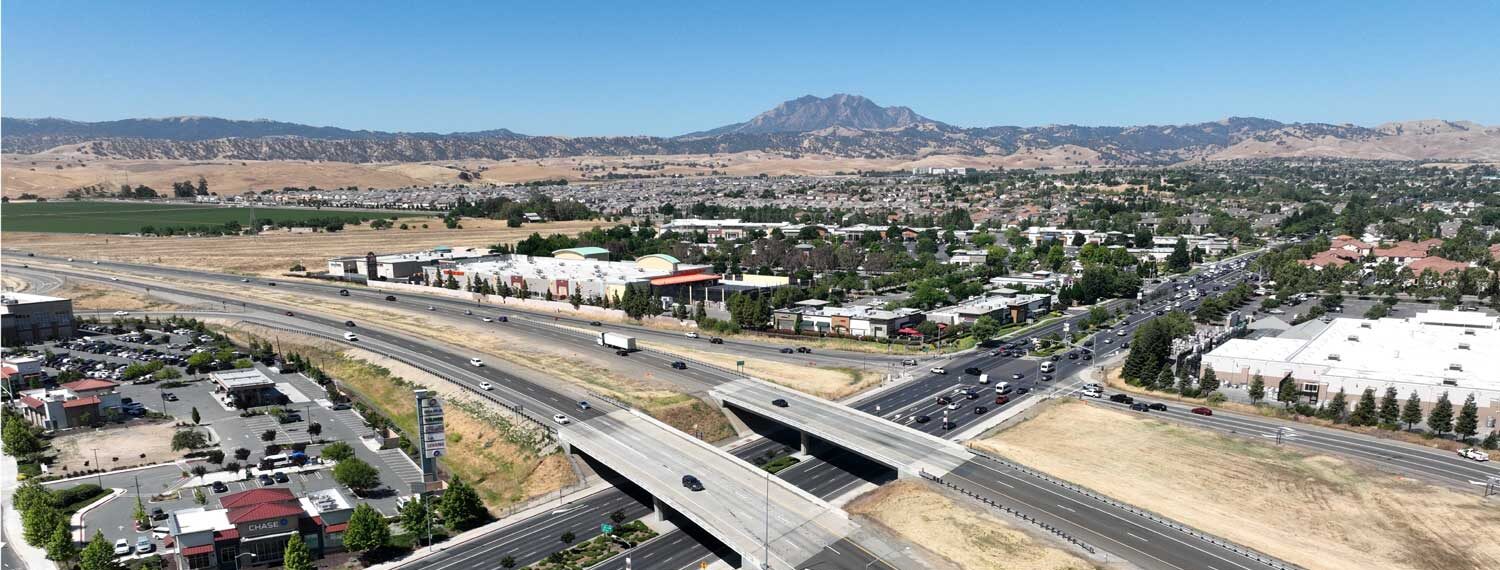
1385 412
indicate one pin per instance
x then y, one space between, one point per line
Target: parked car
692 483
280 477
1202 411
122 547
265 480
220 487
143 545
158 514
779 402
343 406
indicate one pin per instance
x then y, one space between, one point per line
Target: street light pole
99 476
241 555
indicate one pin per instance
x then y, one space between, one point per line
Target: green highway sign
607 528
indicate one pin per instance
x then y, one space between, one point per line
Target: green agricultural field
127 217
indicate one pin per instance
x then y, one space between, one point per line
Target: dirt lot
275 252
487 446
959 533
95 297
119 446
829 383
1317 511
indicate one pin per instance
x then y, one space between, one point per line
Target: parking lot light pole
99 474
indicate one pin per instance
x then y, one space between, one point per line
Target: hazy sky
672 67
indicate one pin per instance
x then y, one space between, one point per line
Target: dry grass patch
1317 511
825 382
491 449
963 534
119 446
93 297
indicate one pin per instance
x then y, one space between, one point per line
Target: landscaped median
600 548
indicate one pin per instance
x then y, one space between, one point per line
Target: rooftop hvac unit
1469 332
1463 346
1333 357
1353 338
1456 366
1364 325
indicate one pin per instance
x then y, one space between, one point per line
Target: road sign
607 528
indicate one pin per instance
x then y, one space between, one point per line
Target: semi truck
616 341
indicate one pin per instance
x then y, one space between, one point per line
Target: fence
1018 514
1148 515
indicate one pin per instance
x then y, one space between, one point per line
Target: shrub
241 454
215 456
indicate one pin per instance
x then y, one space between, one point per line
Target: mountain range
841 125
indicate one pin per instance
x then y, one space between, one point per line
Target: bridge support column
658 509
803 436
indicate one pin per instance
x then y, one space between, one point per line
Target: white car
485 386
244 281
431 308
122 547
953 406
1474 454
94 262
692 335
351 337
121 313
114 278
562 419
938 371
475 362
487 319
1093 394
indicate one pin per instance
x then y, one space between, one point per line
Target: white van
1048 367
984 378
349 336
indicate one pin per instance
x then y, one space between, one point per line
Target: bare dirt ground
119 446
275 252
828 383
960 534
95 297
1317 511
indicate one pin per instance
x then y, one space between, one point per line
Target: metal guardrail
1148 515
1018 514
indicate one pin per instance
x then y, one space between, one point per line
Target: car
1017 376
779 402
584 405
1056 357
691 335
787 350
121 313
503 319
1122 399
168 396
1158 406
1022 390
1087 356
943 400
220 487
1072 356
468 312
562 419
804 350
241 280
622 352
143 544
1002 400
1202 411
343 292
980 410
692 483
94 262
909 362
351 337
114 278
390 297
270 283
486 386
431 308
280 477
937 370
1109 341
1046 377
973 370
265 479
953 406
715 340
922 419
348 323
475 362
1120 333
342 406
1093 394
290 314
1140 407
595 324
487 319
158 514
1473 454
679 365
122 547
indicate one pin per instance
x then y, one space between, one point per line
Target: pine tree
1208 383
367 530
196 418
1364 412
1390 410
1468 419
296 556
60 547
1411 412
1440 419
1257 389
1164 380
1336 407
1286 391
460 506
142 520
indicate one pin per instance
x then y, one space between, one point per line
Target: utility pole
99 477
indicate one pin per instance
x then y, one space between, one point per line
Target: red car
1203 411
1002 400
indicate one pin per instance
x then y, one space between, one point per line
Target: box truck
616 341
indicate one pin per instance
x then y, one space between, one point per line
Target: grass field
127 217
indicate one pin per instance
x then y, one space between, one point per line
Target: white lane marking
1132 535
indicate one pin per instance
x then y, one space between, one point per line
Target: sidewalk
32 557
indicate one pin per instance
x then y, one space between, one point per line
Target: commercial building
1037 234
1432 353
579 270
1006 307
726 229
815 316
398 266
257 522
245 388
969 257
70 405
29 319
21 373
1033 280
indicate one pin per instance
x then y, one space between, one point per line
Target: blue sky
668 68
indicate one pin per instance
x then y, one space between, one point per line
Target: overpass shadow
641 495
785 439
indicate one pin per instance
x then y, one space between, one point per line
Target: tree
1411 413
416 517
1468 419
567 537
18 437
338 451
38 522
1440 419
1257 389
60 547
1365 413
31 494
188 439
142 520
1286 391
367 530
314 429
296 556
1336 408
197 419
460 506
617 517
355 474
98 555
1179 260
1209 382
268 435
1390 410
1164 380
985 328
508 562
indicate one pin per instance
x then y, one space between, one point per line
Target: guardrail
1145 514
1018 514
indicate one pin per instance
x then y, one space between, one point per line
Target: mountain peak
812 113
